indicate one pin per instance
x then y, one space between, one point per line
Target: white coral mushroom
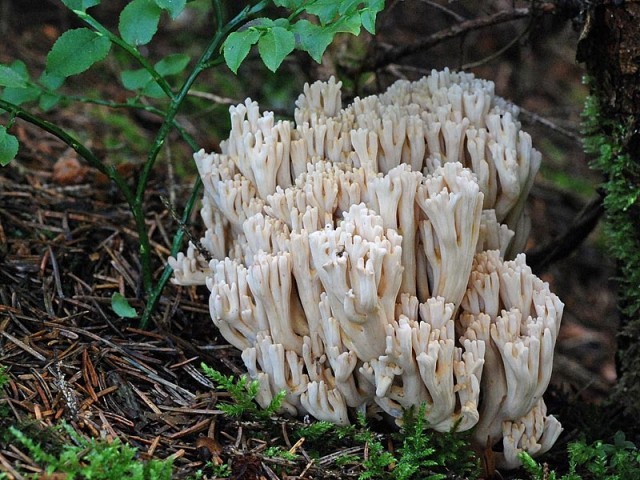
359 259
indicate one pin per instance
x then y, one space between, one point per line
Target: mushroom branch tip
366 257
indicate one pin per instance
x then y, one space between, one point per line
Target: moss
62 452
607 141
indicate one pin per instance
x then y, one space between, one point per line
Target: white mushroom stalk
358 259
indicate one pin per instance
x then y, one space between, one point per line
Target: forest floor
68 243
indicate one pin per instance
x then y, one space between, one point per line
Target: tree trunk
610 48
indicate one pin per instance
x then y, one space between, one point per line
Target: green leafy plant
277 38
421 454
598 460
279 452
431 455
98 460
316 430
243 392
217 471
276 27
120 306
379 460
4 377
221 471
536 470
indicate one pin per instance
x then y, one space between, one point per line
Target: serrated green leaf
260 22
174 7
312 38
325 10
20 68
135 79
120 306
368 20
347 24
139 21
81 5
172 64
18 96
10 78
281 22
48 101
8 146
368 15
377 5
75 51
141 80
275 45
50 81
237 45
153 90
348 6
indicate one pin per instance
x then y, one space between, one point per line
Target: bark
610 48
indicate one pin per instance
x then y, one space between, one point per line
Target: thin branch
130 49
183 225
233 101
560 247
186 136
175 104
532 117
497 53
203 62
214 98
75 144
442 8
156 291
219 14
394 54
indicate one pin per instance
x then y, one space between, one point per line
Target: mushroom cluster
366 258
